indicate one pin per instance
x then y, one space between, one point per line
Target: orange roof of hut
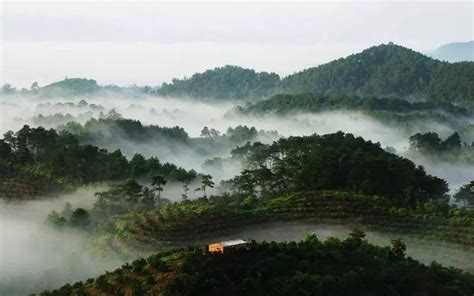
226 245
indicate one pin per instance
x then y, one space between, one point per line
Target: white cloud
148 43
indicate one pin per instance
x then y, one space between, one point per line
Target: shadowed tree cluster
332 161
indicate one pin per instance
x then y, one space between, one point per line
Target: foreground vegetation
309 267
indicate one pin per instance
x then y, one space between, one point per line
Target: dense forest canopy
106 129
311 102
333 161
308 267
452 149
32 153
388 70
228 82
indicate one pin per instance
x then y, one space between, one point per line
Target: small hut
220 247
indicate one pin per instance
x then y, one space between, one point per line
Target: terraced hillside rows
19 188
182 222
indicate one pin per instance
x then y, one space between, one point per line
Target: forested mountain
310 267
387 70
455 52
228 82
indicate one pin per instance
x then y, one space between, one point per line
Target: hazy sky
149 43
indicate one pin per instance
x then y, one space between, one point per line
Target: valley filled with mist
93 177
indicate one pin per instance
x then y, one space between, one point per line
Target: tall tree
206 181
158 182
465 194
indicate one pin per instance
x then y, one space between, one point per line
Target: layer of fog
193 115
425 251
35 257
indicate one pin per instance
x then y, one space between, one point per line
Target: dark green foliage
465 194
310 102
80 218
122 198
431 142
56 220
431 146
228 82
43 154
241 133
108 129
186 178
206 182
158 183
310 267
334 161
387 70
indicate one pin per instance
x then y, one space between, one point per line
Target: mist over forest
95 176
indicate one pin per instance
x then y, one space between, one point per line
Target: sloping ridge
387 70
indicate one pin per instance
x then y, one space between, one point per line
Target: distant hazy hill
228 82
455 52
387 70
70 86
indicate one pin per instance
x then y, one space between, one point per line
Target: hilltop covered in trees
70 86
388 70
309 267
332 161
228 82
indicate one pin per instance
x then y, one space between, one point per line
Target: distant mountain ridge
454 52
386 70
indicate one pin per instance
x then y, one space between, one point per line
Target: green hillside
228 82
70 86
387 70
